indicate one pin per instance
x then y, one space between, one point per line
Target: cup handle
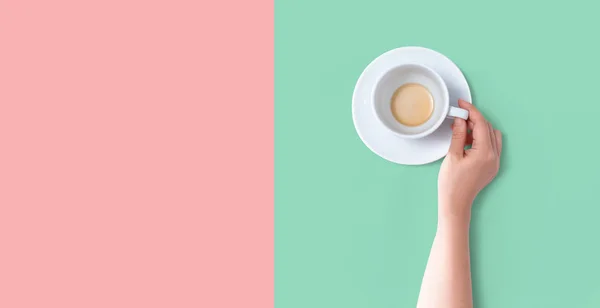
455 112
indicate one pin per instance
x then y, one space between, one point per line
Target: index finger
479 123
474 114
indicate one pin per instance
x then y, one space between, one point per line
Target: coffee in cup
412 101
412 104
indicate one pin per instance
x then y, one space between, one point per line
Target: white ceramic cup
397 76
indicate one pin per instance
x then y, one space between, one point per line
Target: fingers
469 133
492 138
483 133
469 139
474 115
478 124
459 137
498 141
470 125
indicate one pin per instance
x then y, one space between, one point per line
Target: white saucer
382 141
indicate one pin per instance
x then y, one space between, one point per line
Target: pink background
136 153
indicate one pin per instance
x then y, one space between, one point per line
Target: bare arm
447 279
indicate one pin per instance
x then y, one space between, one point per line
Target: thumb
459 137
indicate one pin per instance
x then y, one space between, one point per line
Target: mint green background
353 230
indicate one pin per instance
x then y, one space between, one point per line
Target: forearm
447 279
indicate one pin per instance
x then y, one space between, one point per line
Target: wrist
454 222
454 214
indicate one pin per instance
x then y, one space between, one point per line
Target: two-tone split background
143 162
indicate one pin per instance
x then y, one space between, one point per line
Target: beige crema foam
412 104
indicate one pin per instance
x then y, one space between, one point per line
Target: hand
464 173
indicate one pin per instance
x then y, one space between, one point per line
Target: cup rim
437 124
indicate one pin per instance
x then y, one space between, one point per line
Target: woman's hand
464 173
447 278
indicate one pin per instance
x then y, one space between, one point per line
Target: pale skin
463 174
